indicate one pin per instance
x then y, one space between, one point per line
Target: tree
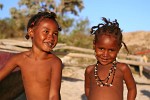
80 36
1 6
30 7
7 28
81 26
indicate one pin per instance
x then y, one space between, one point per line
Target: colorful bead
104 82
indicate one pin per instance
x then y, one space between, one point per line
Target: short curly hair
108 27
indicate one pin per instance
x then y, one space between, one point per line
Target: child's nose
105 53
50 37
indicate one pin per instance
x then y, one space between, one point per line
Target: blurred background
75 43
76 17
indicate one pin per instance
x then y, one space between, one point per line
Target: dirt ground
73 85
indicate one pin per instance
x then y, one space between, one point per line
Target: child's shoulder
123 66
89 68
20 54
55 57
58 60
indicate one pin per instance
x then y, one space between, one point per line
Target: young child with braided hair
104 80
41 70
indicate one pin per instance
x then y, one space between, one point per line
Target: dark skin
41 70
106 49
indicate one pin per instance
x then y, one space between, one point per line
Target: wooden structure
19 46
12 87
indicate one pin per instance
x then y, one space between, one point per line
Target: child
104 80
41 70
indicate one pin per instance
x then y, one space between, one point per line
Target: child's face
106 49
45 35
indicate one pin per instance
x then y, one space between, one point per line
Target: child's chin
48 49
104 63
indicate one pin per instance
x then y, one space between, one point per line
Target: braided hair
34 20
108 27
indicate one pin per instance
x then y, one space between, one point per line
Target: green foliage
81 26
77 39
1 6
9 29
65 23
6 29
79 36
71 6
31 7
74 30
80 40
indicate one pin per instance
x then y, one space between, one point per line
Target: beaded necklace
105 81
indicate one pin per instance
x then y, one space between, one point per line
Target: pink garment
4 57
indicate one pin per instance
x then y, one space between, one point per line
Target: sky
132 15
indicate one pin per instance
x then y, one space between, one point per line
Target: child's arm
87 81
8 67
130 83
56 76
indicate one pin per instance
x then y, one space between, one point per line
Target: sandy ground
73 85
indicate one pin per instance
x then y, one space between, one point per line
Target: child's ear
30 32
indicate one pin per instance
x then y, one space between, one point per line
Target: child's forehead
107 35
47 20
107 40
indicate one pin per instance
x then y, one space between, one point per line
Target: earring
27 36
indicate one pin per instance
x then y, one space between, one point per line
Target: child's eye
55 33
46 31
101 48
111 50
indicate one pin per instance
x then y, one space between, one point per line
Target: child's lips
49 44
104 60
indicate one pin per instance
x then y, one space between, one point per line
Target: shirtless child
41 70
104 80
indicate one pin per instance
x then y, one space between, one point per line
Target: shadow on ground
71 79
146 93
140 83
146 75
83 97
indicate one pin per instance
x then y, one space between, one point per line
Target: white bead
110 85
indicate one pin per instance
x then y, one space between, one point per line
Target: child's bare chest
37 71
104 92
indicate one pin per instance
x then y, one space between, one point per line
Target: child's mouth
49 44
